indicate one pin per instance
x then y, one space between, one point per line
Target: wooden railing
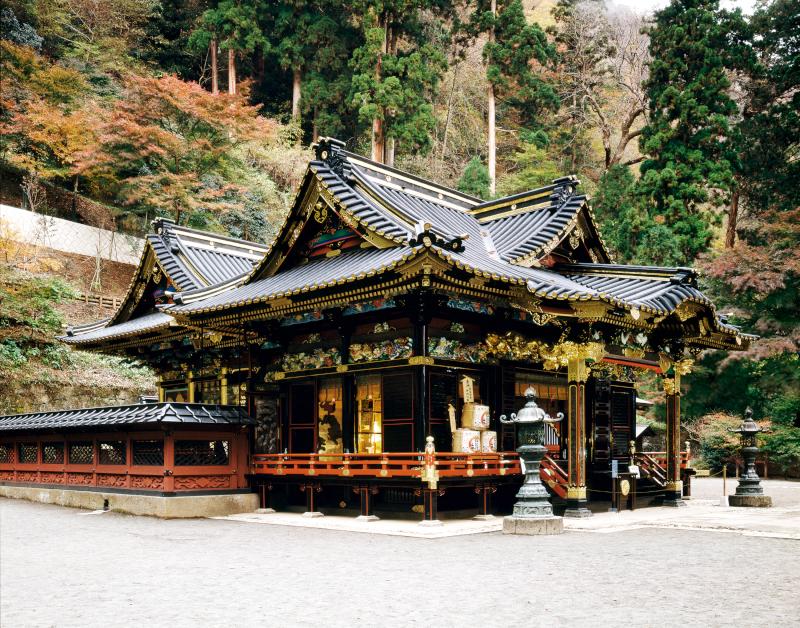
651 468
554 476
389 465
660 457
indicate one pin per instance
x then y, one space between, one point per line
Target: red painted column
169 462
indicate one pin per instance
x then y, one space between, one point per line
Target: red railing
553 476
389 465
660 457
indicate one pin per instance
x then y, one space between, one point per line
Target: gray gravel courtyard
59 567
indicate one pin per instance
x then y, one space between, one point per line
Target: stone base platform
172 507
750 501
532 526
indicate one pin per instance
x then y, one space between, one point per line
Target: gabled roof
521 241
135 414
535 248
389 207
189 260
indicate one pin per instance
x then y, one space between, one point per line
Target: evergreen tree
475 179
513 47
396 70
690 158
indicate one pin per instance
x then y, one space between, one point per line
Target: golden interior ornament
553 357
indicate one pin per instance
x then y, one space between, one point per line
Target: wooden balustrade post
577 503
430 501
310 489
484 492
365 493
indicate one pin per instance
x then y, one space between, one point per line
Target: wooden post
169 462
365 493
673 490
577 503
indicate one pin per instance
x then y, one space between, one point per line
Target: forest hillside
683 126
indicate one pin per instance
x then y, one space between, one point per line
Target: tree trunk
315 128
491 115
231 71
449 113
733 216
378 131
389 157
214 68
296 84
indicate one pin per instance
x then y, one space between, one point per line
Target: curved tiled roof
134 327
137 414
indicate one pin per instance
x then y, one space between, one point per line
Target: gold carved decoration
320 212
525 301
672 383
590 309
421 360
556 356
687 310
625 487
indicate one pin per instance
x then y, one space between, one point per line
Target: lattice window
29 453
53 453
190 453
81 452
6 452
112 452
148 452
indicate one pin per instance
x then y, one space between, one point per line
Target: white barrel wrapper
466 441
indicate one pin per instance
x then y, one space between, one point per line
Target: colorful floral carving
316 359
368 306
470 306
297 319
395 349
456 350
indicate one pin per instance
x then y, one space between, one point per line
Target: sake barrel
489 442
475 417
466 441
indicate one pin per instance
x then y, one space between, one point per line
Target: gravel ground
59 567
784 493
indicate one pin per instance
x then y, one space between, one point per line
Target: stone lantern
749 492
533 513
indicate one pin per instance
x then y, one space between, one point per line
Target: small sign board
614 468
467 388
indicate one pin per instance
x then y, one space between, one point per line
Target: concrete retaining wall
179 507
49 232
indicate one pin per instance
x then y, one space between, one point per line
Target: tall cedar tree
514 46
234 26
313 40
690 158
397 69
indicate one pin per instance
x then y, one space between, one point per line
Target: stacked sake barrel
474 435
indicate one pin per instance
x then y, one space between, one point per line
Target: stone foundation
533 526
751 501
178 507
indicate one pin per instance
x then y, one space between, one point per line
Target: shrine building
309 374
